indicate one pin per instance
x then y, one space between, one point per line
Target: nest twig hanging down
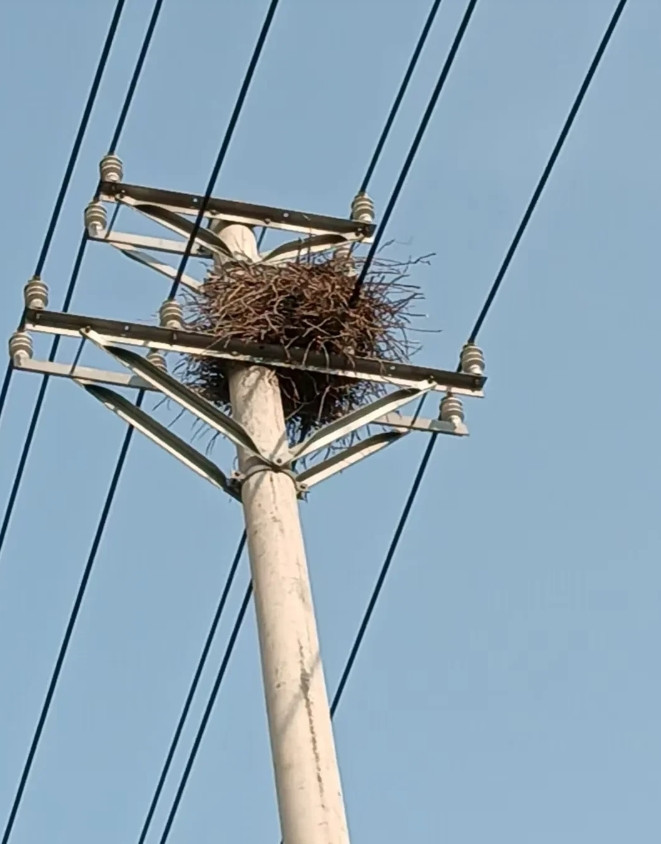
303 304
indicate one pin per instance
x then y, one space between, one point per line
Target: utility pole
269 481
307 778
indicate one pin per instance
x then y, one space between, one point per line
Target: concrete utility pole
307 778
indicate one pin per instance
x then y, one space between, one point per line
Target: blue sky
507 687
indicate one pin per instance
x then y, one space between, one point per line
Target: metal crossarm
232 211
194 343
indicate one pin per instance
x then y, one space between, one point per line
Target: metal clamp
264 466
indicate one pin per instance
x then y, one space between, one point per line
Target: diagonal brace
176 391
358 418
162 436
341 461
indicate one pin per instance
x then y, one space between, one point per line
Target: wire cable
424 463
547 171
41 395
400 95
193 688
222 152
68 633
110 497
135 78
207 713
426 117
374 597
71 164
82 128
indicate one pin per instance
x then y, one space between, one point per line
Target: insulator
451 409
111 169
96 219
344 257
35 294
171 314
472 360
20 347
362 208
157 359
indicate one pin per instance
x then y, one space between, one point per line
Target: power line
401 524
137 72
400 95
426 117
73 159
405 513
75 150
547 171
68 633
116 476
229 133
193 688
207 713
422 468
41 395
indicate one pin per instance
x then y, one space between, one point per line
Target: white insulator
472 360
451 409
20 347
362 208
96 219
344 257
35 294
157 359
111 169
171 314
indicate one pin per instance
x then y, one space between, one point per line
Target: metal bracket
172 210
154 263
261 466
112 335
184 397
162 436
357 419
341 461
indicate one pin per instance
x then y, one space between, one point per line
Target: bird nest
303 305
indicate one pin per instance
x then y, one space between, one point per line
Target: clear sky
508 688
